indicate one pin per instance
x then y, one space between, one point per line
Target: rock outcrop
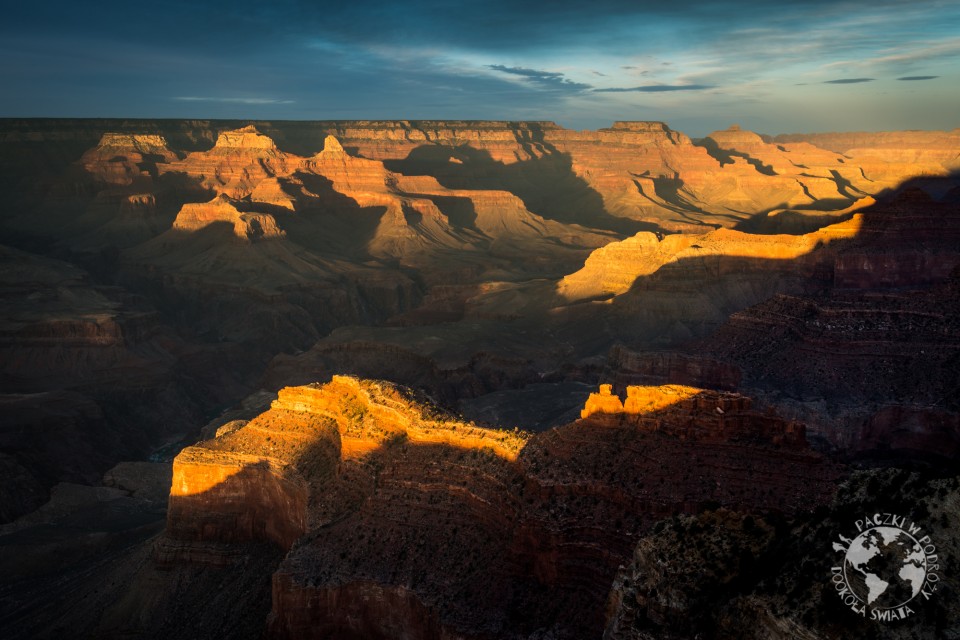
724 417
123 159
238 161
246 226
365 484
927 147
79 362
616 267
766 283
626 367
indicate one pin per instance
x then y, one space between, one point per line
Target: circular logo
888 564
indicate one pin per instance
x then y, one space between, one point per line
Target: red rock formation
604 402
123 159
637 170
273 192
627 367
641 170
238 162
539 525
246 226
614 268
925 147
899 431
249 484
720 416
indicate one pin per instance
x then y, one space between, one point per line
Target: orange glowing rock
603 402
247 226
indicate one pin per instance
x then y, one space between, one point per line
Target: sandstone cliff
123 159
209 249
399 519
236 164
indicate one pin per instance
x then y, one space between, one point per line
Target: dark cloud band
656 88
544 79
848 81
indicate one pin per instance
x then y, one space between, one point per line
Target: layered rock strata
79 363
366 486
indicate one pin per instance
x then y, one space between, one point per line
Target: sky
778 66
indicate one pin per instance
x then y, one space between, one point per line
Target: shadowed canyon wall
547 519
736 297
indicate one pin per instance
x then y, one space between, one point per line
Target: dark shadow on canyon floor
546 183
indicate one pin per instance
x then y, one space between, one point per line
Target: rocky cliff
158 267
880 336
80 362
366 485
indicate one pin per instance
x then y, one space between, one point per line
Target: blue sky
774 67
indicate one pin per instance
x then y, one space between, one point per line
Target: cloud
376 59
527 73
656 88
551 80
232 100
848 81
918 77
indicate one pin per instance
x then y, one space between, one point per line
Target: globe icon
885 567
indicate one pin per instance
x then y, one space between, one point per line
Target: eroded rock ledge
697 414
400 520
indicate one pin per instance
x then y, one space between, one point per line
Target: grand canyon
437 380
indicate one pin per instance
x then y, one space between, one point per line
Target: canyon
478 379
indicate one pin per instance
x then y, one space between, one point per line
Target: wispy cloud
848 80
918 77
552 80
904 54
656 88
232 100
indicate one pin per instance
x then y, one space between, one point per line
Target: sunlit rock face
643 171
238 161
400 519
250 484
246 226
614 268
926 148
123 159
482 244
757 293
717 416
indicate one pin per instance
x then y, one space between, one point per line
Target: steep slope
123 159
109 198
613 269
928 147
80 363
373 485
238 161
